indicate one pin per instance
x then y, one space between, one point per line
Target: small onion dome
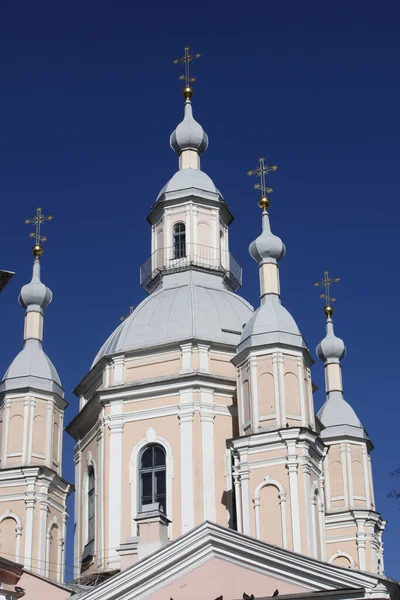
189 135
35 293
267 245
331 347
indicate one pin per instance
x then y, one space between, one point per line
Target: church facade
196 422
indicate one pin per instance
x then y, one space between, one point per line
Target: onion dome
35 294
331 348
189 135
267 246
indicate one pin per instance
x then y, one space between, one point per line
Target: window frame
179 240
153 470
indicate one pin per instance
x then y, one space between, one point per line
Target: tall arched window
88 551
179 236
91 505
152 476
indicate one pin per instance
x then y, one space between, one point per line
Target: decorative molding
151 437
268 481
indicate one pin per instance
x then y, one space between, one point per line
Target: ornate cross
37 222
326 284
130 312
262 172
186 60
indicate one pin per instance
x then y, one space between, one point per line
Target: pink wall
36 587
218 577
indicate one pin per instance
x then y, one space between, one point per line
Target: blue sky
89 97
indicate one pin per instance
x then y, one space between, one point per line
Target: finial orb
37 250
187 92
328 310
264 202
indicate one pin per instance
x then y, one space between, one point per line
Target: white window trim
134 463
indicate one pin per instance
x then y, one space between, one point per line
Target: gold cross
130 312
262 172
37 221
326 283
186 60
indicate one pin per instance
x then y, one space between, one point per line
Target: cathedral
201 467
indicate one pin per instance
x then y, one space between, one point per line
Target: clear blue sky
89 96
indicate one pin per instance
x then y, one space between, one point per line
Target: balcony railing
180 258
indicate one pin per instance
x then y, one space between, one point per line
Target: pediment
212 561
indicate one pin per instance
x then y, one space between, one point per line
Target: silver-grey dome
331 347
192 310
187 181
267 245
35 293
271 324
189 135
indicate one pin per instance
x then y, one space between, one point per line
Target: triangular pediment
212 561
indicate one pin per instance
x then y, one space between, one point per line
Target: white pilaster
245 487
279 422
77 509
366 476
100 497
345 475
49 433
119 369
43 537
292 467
6 429
300 376
309 518
207 453
281 377
238 494
361 539
115 426
254 394
29 515
187 358
187 477
26 430
204 358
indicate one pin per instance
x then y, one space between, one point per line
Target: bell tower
33 515
349 489
277 455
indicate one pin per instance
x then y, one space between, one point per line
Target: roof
32 368
187 181
196 305
270 324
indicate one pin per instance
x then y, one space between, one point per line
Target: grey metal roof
187 181
271 324
32 368
190 305
339 418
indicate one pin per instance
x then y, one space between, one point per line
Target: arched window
179 236
91 505
152 476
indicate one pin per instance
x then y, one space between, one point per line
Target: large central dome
190 309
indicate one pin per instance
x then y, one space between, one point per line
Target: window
91 505
152 476
179 236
